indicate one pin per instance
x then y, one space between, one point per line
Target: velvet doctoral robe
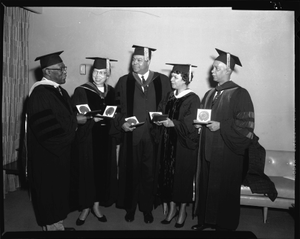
134 102
51 131
94 162
221 156
178 149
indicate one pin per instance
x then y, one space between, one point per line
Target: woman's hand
159 123
167 123
97 119
126 127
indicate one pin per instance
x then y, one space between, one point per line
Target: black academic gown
94 160
51 131
221 156
134 102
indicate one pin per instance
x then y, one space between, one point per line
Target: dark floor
19 218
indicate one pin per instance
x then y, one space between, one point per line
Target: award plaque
203 116
109 111
151 114
133 121
158 116
83 108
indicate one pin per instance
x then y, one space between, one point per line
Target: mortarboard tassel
107 66
146 53
228 60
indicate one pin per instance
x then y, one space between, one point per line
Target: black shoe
129 217
79 221
148 217
69 229
100 219
200 227
165 221
179 225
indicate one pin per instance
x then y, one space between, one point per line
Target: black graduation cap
185 68
228 59
143 51
49 59
101 63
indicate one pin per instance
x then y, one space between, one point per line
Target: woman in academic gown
178 146
94 162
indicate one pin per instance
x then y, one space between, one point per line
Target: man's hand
197 126
213 125
81 119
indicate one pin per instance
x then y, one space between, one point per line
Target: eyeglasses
100 72
58 69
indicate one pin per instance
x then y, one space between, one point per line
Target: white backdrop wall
263 40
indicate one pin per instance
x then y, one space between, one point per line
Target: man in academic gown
137 94
51 131
223 144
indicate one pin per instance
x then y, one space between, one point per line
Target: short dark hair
185 76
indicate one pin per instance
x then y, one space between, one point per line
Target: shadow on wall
210 79
38 74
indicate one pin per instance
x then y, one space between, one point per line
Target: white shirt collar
145 75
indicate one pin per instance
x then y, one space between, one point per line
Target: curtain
15 87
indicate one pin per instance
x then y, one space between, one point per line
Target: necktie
216 97
144 84
59 89
143 80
